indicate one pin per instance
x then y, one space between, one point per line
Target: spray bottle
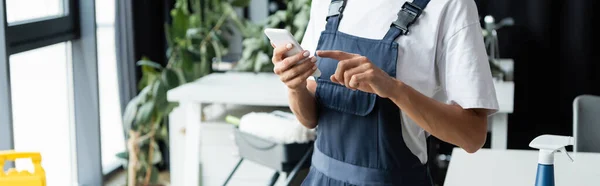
548 144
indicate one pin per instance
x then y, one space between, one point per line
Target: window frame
31 34
78 26
6 129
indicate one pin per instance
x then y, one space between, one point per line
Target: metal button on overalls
359 134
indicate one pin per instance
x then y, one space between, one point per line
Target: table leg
499 130
177 145
193 120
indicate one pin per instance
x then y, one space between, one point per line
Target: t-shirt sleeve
308 42
466 70
311 35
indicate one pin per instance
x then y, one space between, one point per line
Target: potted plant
195 37
257 50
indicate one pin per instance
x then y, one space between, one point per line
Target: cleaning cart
12 177
287 157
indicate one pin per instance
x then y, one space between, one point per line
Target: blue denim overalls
359 134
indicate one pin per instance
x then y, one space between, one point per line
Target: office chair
586 123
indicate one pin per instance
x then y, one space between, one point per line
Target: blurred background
88 83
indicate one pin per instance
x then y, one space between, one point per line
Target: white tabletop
265 89
259 89
518 168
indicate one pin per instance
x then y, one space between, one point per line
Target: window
111 125
41 109
36 9
49 88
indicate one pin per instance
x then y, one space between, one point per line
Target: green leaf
195 21
157 122
240 3
149 75
149 63
183 5
170 107
129 121
261 60
170 79
277 18
179 17
203 70
300 22
130 113
157 157
144 114
193 33
168 35
145 94
154 175
298 3
143 82
217 50
163 132
123 155
159 92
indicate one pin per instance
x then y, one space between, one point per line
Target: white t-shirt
442 57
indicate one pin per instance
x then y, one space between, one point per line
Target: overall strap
409 13
334 16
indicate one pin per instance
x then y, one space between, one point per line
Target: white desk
262 89
492 167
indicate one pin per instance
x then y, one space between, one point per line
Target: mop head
278 126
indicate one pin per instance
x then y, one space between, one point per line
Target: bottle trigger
564 151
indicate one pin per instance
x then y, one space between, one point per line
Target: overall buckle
407 16
336 8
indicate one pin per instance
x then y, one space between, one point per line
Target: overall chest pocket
337 97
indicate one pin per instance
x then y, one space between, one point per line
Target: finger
335 54
273 45
303 77
296 71
309 72
332 78
346 65
289 62
361 78
278 52
356 70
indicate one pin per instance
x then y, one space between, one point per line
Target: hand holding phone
282 37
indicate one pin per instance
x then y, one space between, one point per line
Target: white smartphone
282 37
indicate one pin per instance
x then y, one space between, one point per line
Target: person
393 73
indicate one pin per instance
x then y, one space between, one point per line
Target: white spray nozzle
548 144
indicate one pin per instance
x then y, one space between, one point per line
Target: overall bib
359 134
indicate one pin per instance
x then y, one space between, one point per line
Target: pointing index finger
335 54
